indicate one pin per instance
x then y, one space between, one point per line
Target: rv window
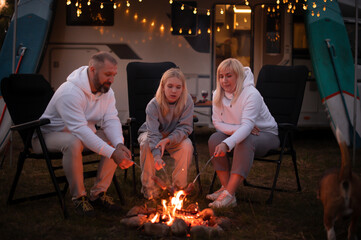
300 47
90 15
184 21
273 33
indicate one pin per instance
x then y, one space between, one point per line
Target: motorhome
195 35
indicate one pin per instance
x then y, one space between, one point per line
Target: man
84 100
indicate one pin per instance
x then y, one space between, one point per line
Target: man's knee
73 144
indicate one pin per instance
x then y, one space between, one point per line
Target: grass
293 215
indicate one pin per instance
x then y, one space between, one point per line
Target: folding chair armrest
31 124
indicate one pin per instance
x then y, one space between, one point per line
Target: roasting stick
203 169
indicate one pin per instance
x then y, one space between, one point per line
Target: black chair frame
26 126
286 118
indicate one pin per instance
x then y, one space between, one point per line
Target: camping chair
143 81
27 96
282 88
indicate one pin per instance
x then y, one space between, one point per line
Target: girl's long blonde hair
233 65
160 95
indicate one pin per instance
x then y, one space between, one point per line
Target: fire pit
173 218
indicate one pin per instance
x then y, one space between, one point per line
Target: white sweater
74 108
239 118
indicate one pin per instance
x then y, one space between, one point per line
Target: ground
292 215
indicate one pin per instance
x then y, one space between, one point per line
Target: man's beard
103 88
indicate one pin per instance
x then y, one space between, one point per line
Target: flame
173 209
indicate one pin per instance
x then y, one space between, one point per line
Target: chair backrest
282 88
143 81
26 97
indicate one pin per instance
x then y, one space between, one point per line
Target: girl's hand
162 143
221 150
159 163
255 131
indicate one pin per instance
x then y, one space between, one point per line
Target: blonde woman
169 121
244 125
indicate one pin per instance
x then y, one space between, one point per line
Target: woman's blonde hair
233 65
160 95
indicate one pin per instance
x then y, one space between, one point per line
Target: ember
173 218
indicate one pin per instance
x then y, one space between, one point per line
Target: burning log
156 229
206 214
140 210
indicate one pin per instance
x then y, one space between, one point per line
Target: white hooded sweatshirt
75 109
239 118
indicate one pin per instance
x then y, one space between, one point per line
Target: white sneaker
216 194
224 200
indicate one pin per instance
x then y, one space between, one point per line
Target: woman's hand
221 150
162 143
159 163
255 131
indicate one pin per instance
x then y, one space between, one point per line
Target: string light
291 7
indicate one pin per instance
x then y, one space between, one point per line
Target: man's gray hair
98 59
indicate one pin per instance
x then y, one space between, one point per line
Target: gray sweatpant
243 153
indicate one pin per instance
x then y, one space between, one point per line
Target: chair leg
51 172
134 180
296 170
213 180
20 166
125 174
117 188
270 199
195 153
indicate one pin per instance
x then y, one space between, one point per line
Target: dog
340 194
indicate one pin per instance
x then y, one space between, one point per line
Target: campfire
173 218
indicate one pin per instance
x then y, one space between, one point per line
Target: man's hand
162 143
122 156
221 150
159 163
